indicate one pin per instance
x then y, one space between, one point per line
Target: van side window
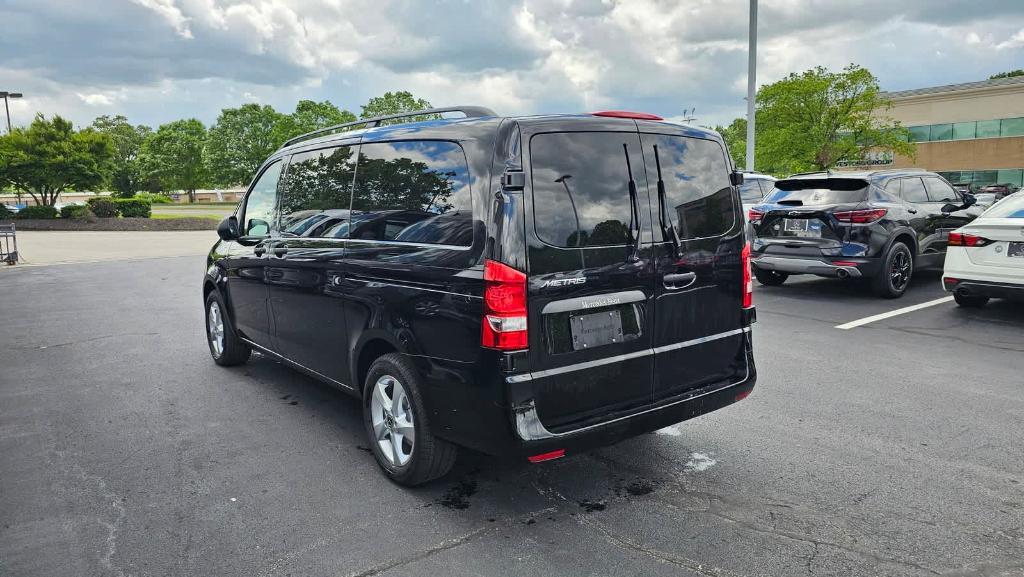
697 188
412 191
260 206
913 190
316 191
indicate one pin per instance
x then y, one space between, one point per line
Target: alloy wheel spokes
391 420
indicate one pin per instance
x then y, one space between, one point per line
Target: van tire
770 277
896 273
233 350
430 456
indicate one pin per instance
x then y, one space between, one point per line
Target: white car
985 259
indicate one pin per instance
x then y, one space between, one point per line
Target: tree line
50 156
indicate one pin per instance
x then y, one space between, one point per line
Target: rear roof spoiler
829 182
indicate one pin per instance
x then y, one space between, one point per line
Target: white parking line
897 312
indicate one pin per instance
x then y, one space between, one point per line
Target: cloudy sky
159 60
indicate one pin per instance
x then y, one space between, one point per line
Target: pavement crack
90 340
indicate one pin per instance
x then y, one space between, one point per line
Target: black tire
234 351
430 457
896 272
770 277
970 301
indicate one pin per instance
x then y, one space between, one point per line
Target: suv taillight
504 323
964 239
754 216
748 282
860 216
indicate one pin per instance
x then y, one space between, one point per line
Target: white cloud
95 99
169 12
1015 41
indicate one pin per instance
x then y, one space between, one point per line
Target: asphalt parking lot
893 448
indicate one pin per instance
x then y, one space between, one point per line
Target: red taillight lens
860 216
748 281
963 239
504 324
627 114
556 454
754 216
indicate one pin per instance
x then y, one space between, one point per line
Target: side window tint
413 191
260 206
316 191
912 190
697 188
939 191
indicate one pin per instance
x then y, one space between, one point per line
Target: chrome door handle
279 251
912 210
679 280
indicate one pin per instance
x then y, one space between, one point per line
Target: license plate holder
595 329
1015 250
795 225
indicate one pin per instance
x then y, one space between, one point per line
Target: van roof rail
469 111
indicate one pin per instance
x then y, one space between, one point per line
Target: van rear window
581 187
819 191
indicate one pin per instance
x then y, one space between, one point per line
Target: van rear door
699 335
590 283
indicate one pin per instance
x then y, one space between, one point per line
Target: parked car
13 208
1000 191
985 259
964 187
881 225
985 199
754 188
511 285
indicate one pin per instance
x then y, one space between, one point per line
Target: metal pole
8 108
751 83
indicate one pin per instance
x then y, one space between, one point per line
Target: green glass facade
979 178
967 130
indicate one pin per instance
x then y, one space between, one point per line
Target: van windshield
581 187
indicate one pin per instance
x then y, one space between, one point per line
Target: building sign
873 158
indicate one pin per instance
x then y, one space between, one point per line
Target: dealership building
969 133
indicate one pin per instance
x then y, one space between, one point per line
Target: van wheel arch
369 352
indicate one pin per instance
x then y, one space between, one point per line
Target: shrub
75 211
154 198
133 207
38 212
5 212
103 207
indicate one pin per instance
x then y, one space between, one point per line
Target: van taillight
748 282
504 324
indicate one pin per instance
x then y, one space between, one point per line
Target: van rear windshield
581 187
819 191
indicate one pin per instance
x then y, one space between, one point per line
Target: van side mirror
736 178
228 228
969 199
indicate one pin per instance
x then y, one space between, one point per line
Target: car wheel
897 269
397 424
225 346
770 277
969 300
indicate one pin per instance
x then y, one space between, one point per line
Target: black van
519 286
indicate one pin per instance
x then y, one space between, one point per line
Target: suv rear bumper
850 267
997 290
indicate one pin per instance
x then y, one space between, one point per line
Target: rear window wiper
668 230
634 211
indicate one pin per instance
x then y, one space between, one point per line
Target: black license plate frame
1015 250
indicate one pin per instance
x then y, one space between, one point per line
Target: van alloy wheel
392 419
215 328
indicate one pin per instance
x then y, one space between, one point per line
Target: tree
819 118
174 155
1010 74
735 136
50 157
396 103
126 177
240 141
310 116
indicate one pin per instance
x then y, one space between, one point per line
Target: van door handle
912 210
279 251
679 280
259 250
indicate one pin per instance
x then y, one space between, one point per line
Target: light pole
751 83
6 95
